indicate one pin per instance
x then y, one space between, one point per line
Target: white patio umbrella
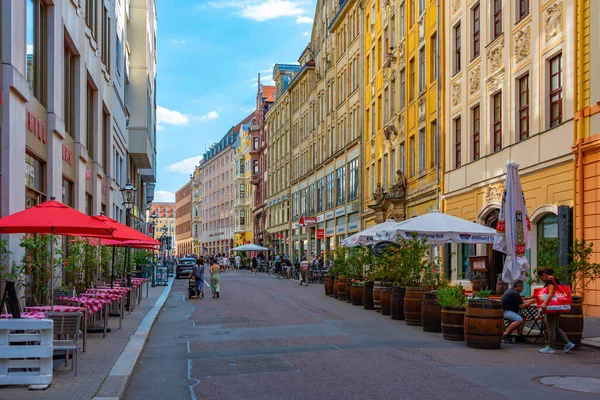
249 247
438 228
513 230
365 237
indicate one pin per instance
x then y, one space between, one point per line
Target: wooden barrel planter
431 313
480 282
335 287
572 323
357 295
385 299
484 324
348 290
453 323
326 285
331 285
377 287
413 302
501 287
368 296
397 302
341 288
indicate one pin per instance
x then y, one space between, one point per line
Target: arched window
547 228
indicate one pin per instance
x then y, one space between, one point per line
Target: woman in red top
551 326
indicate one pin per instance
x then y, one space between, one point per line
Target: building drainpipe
579 123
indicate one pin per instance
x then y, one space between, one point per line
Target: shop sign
353 226
340 229
35 125
329 215
67 154
307 221
329 231
320 233
320 218
340 211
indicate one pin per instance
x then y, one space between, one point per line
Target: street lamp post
128 192
153 217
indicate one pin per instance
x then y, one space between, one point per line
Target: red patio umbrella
54 218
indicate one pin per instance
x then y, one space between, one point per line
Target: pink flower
352 281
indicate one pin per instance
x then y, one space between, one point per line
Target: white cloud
180 42
173 117
185 166
304 20
208 116
162 196
306 33
265 10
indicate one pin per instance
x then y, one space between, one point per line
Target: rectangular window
373 63
476 133
413 12
36 49
422 150
90 17
392 163
392 98
496 18
412 156
524 107
386 102
522 9
421 6
412 87
457 49
402 88
320 194
255 167
497 118
69 91
393 40
476 30
457 142
434 57
341 185
311 199
90 121
422 69
384 172
556 90
434 145
106 38
330 189
105 132
402 157
401 21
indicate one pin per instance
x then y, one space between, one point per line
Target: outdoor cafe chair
67 327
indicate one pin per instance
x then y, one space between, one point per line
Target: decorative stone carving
401 126
401 54
379 194
421 30
522 43
422 109
474 79
493 193
455 5
494 83
399 188
553 20
383 13
390 132
373 148
456 94
495 56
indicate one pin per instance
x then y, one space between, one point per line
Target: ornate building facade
197 211
403 105
508 98
183 221
243 203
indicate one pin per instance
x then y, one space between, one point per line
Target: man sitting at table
512 303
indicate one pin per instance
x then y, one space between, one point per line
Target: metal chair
67 327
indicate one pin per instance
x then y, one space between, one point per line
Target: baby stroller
192 287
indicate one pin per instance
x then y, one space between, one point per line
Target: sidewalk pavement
591 332
102 356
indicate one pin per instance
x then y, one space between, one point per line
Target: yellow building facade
243 203
587 138
508 98
403 100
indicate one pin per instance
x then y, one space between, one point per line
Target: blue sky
209 55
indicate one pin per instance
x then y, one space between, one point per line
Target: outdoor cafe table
26 315
110 298
93 305
59 308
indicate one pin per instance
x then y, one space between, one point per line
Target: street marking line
189 376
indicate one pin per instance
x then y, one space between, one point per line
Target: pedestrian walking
238 262
304 271
215 279
551 321
198 272
254 265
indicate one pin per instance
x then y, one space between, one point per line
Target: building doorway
495 258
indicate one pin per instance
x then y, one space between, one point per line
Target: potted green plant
453 302
340 269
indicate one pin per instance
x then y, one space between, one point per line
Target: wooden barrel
341 288
572 323
368 296
335 286
385 299
453 323
397 302
348 290
356 293
484 324
331 284
377 287
326 285
413 301
480 282
501 287
431 313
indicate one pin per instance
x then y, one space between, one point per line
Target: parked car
184 267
